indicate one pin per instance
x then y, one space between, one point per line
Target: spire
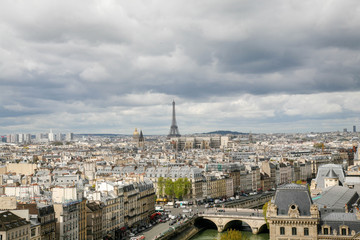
174 130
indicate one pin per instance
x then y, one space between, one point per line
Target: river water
212 234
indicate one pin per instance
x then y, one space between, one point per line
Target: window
343 231
293 231
306 231
326 231
282 231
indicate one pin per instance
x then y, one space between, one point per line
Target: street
162 227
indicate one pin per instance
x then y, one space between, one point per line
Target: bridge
223 218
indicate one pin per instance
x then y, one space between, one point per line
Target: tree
161 184
265 207
233 235
169 188
187 185
179 187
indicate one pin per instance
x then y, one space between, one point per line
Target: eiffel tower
174 130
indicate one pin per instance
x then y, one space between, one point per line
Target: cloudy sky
108 66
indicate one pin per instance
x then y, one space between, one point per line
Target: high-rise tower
174 130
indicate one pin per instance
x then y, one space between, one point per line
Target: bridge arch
205 223
235 224
250 225
222 223
263 228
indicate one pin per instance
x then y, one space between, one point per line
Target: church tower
141 142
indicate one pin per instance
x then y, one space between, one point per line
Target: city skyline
108 67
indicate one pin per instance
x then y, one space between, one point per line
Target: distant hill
224 132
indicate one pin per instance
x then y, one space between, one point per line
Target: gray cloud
70 61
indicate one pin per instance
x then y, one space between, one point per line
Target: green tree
161 185
187 186
233 235
265 207
169 188
179 187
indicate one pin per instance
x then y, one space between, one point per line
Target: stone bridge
222 217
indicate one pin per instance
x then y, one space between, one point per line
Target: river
212 234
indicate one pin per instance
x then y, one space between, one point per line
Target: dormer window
344 230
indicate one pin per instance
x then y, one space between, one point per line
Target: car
221 210
172 222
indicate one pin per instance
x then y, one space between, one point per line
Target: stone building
67 220
94 215
184 143
82 219
45 216
113 213
293 215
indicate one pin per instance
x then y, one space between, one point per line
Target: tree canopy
233 235
179 189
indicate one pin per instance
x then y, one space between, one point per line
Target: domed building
136 136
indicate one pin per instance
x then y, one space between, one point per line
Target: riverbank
184 231
213 234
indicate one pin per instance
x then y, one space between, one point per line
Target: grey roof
336 219
290 194
337 197
331 174
352 179
174 172
324 170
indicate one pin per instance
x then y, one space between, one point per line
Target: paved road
234 211
162 227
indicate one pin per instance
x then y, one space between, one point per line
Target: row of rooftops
338 206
